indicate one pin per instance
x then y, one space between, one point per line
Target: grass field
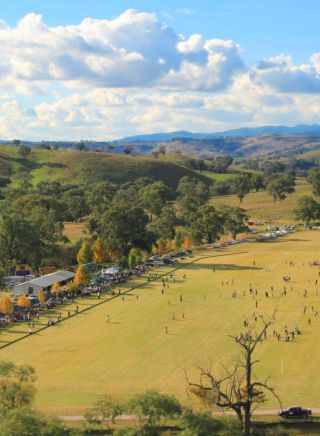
75 231
85 356
219 177
260 205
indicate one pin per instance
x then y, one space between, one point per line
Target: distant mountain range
264 141
300 129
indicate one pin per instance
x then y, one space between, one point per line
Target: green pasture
219 177
70 166
260 205
84 356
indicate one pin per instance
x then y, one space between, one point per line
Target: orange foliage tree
55 288
23 301
186 243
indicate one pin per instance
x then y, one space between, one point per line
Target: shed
44 282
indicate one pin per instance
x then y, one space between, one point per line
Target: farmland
261 206
83 357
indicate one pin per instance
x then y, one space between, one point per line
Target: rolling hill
83 167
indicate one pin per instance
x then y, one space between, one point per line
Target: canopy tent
111 271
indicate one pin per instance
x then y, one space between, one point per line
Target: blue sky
103 69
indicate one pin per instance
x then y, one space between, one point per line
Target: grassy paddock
260 205
85 356
74 231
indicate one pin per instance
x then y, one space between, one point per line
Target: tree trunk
247 405
247 419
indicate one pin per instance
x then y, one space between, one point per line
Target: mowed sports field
85 356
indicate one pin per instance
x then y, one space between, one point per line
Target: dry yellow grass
84 356
74 231
260 205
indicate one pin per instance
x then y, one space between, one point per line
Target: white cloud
135 74
132 50
194 44
216 72
282 75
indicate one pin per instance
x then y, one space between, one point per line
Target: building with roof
32 287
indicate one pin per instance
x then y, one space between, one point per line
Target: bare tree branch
233 389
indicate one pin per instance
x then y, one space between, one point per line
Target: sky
99 69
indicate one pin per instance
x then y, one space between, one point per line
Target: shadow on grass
277 241
225 267
20 332
295 427
55 165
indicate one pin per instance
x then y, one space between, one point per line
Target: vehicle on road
295 412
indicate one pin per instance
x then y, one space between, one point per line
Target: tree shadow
277 241
24 332
225 267
54 165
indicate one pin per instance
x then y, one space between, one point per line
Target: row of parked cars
167 259
278 232
227 243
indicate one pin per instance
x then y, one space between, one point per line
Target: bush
105 409
28 422
200 424
151 408
203 423
127 432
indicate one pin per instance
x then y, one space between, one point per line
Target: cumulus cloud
103 79
281 74
217 72
132 50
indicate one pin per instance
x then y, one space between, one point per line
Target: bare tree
235 390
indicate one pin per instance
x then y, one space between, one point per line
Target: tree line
141 215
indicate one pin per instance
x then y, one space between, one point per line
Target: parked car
34 301
295 412
158 263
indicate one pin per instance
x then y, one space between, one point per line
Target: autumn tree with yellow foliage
85 253
99 253
6 305
41 296
71 287
82 277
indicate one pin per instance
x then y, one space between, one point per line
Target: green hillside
81 167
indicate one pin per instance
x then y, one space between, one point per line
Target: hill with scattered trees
71 166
